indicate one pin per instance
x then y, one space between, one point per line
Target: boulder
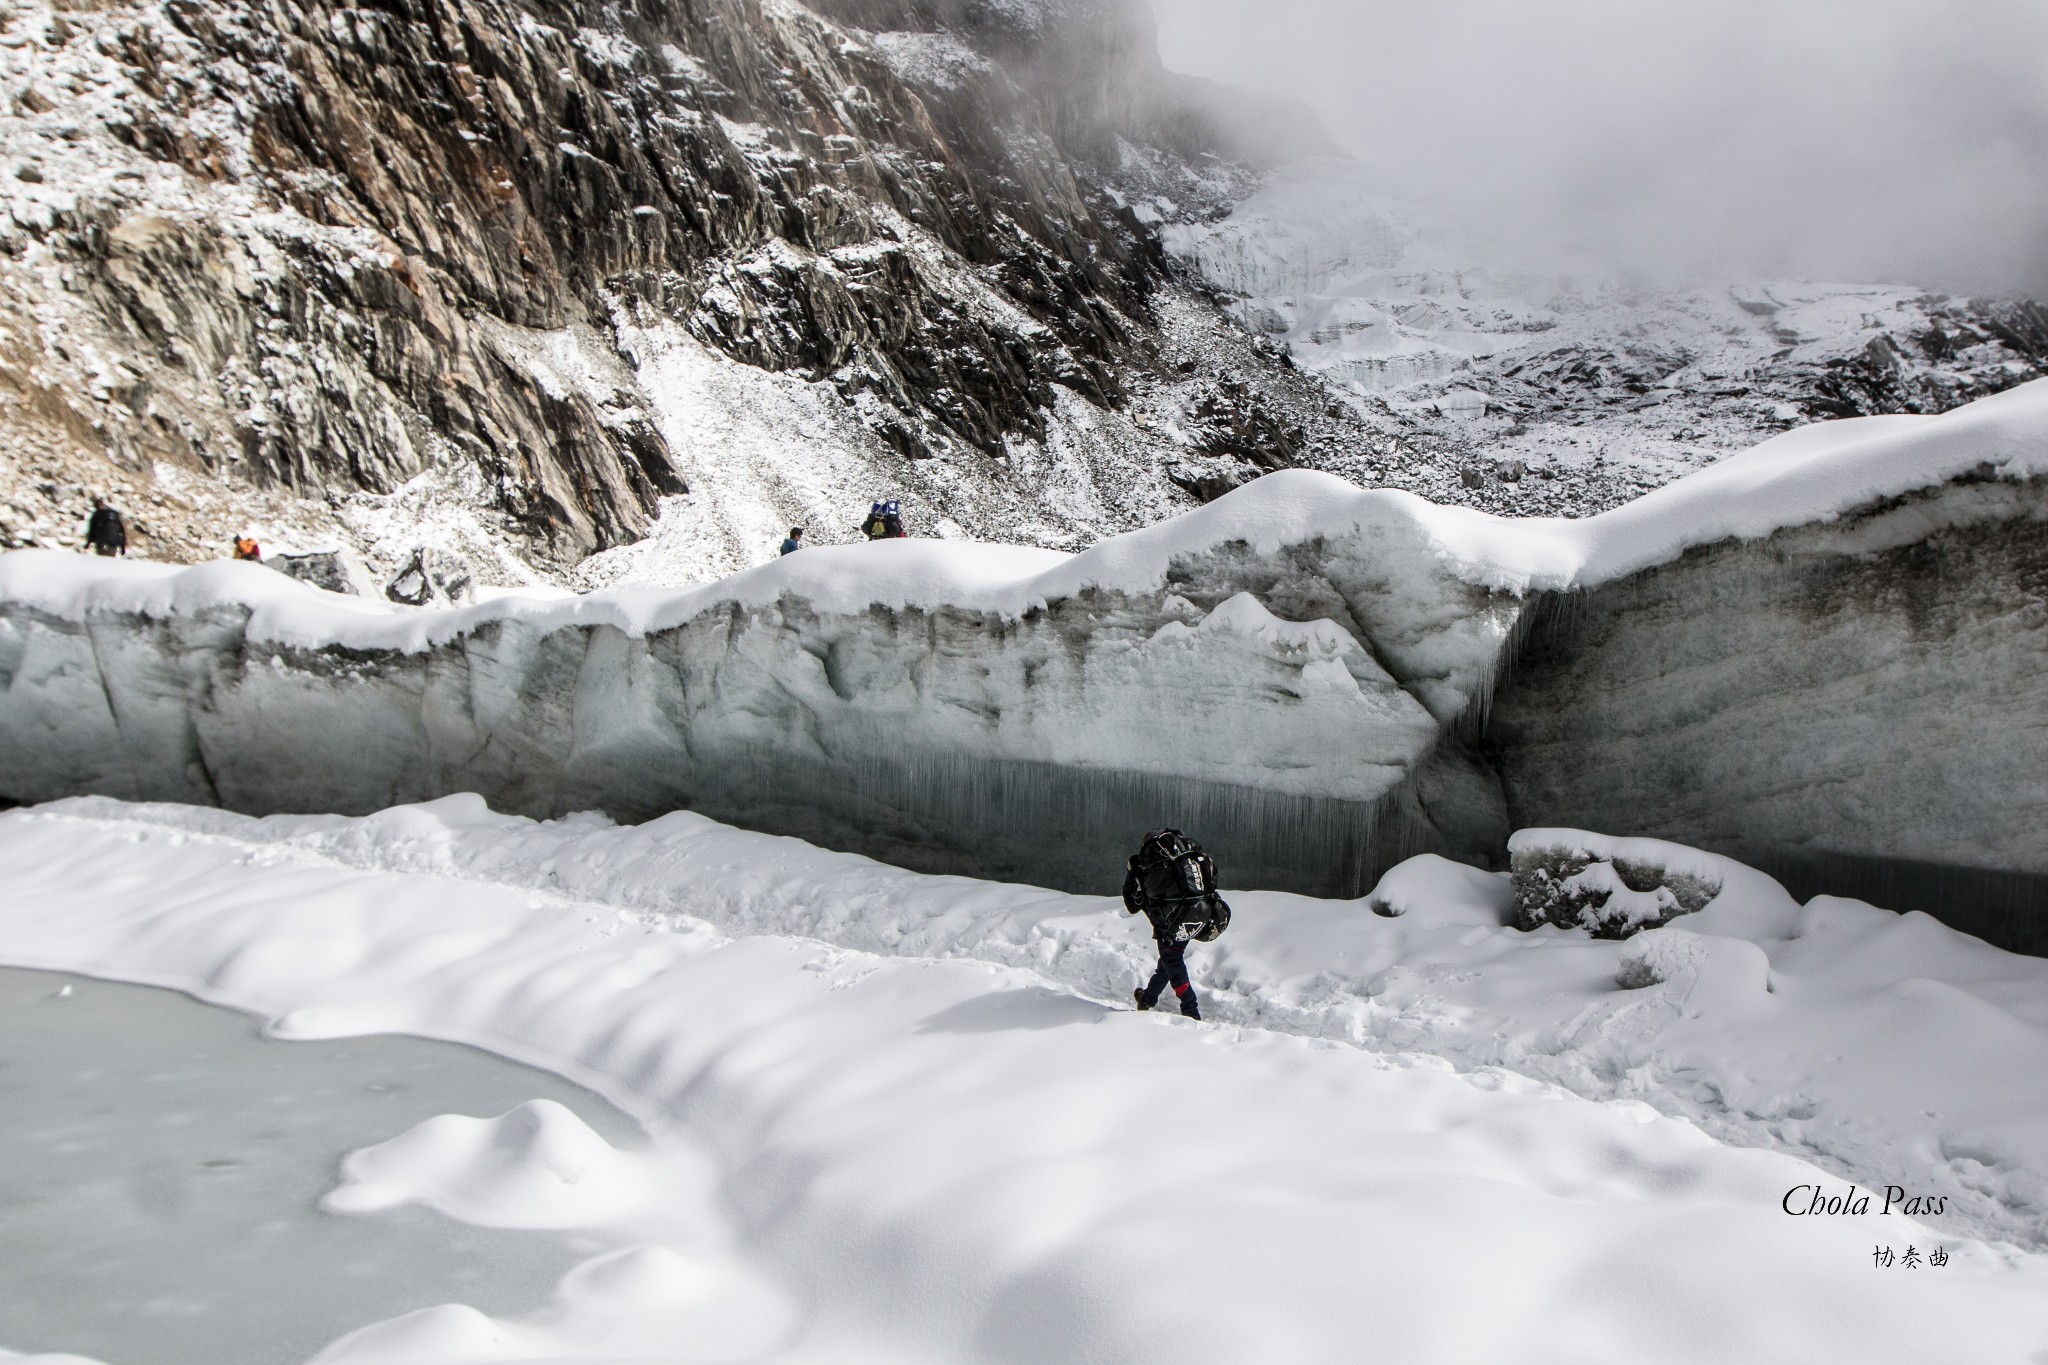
329 570
434 578
1611 887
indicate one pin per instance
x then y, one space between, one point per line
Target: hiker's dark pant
1173 969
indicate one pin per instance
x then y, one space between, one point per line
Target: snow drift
1302 671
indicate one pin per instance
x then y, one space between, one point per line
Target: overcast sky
1837 139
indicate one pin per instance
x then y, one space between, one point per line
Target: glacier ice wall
1858 706
1828 656
1035 747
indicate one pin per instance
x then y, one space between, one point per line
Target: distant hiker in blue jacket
795 541
1172 883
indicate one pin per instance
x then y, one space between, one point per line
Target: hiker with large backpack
105 533
885 521
1173 884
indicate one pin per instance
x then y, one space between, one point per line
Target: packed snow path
954 1160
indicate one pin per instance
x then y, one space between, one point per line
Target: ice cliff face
1830 648
1027 744
1856 706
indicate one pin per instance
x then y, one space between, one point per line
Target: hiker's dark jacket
1153 890
106 529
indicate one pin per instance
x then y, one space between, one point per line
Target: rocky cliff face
597 294
326 249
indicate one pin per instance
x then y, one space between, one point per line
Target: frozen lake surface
161 1163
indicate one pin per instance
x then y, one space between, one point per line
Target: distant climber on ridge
105 533
1173 884
795 541
246 548
885 521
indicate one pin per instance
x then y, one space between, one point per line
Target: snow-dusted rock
1613 887
433 578
339 570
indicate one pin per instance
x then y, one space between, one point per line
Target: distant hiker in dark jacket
795 541
105 533
1173 884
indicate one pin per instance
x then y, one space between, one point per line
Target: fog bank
1881 140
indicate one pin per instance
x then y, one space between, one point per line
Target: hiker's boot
1188 1007
1144 1002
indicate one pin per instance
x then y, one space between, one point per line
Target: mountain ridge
612 295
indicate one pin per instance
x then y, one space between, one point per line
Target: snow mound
1719 976
538 1166
1443 892
641 1303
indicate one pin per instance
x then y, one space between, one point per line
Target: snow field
920 1155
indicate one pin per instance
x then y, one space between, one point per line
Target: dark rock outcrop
329 570
433 578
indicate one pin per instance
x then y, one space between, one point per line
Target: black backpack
1176 884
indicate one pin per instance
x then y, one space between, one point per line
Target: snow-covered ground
903 1118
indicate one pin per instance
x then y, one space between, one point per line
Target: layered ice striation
1301 673
1278 699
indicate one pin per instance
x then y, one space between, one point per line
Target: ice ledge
1814 474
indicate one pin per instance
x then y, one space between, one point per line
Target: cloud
1825 139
